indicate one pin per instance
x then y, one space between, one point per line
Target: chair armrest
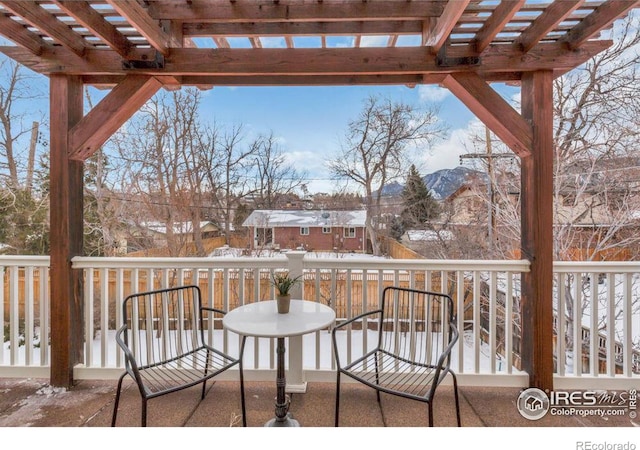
215 310
336 351
446 353
125 348
356 318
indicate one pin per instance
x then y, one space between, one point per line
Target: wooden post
66 180
537 231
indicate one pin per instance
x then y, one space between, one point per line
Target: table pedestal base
287 422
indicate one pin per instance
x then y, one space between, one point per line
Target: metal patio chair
163 340
414 334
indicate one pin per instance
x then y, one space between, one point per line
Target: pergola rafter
138 46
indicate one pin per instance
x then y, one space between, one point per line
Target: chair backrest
162 325
417 326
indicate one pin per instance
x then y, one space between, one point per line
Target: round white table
261 319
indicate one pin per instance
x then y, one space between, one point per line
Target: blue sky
311 121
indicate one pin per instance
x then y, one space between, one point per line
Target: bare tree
101 208
597 173
16 123
160 148
375 151
24 224
597 114
228 175
274 177
597 159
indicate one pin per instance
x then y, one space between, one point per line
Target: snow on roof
178 227
429 235
305 218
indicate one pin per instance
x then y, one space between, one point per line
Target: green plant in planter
283 282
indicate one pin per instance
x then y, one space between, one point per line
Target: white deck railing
486 295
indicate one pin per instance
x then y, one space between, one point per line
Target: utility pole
32 156
489 156
490 219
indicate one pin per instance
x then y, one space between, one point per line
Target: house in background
154 234
312 230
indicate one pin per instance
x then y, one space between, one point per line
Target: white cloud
446 154
428 92
273 42
516 100
374 41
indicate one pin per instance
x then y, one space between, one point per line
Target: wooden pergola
137 47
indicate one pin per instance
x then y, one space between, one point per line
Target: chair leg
337 398
206 369
430 407
455 393
144 412
377 378
117 401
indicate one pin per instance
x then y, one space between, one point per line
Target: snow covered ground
320 340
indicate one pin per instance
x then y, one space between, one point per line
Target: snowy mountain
441 183
445 182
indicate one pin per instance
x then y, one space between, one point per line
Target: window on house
350 232
326 230
264 236
304 231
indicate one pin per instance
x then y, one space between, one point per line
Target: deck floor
33 403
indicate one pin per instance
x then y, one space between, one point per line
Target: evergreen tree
397 228
419 206
242 212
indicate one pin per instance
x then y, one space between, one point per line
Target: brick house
313 230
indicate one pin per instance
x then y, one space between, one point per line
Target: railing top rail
417 264
309 263
80 262
23 260
597 266
84 262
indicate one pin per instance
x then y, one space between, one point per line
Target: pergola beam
501 16
492 110
138 17
343 28
439 33
96 24
110 114
547 21
40 18
292 80
592 24
309 61
21 35
252 11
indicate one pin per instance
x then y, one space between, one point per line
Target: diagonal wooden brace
110 114
492 110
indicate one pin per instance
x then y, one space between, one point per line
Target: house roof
178 227
305 218
429 235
